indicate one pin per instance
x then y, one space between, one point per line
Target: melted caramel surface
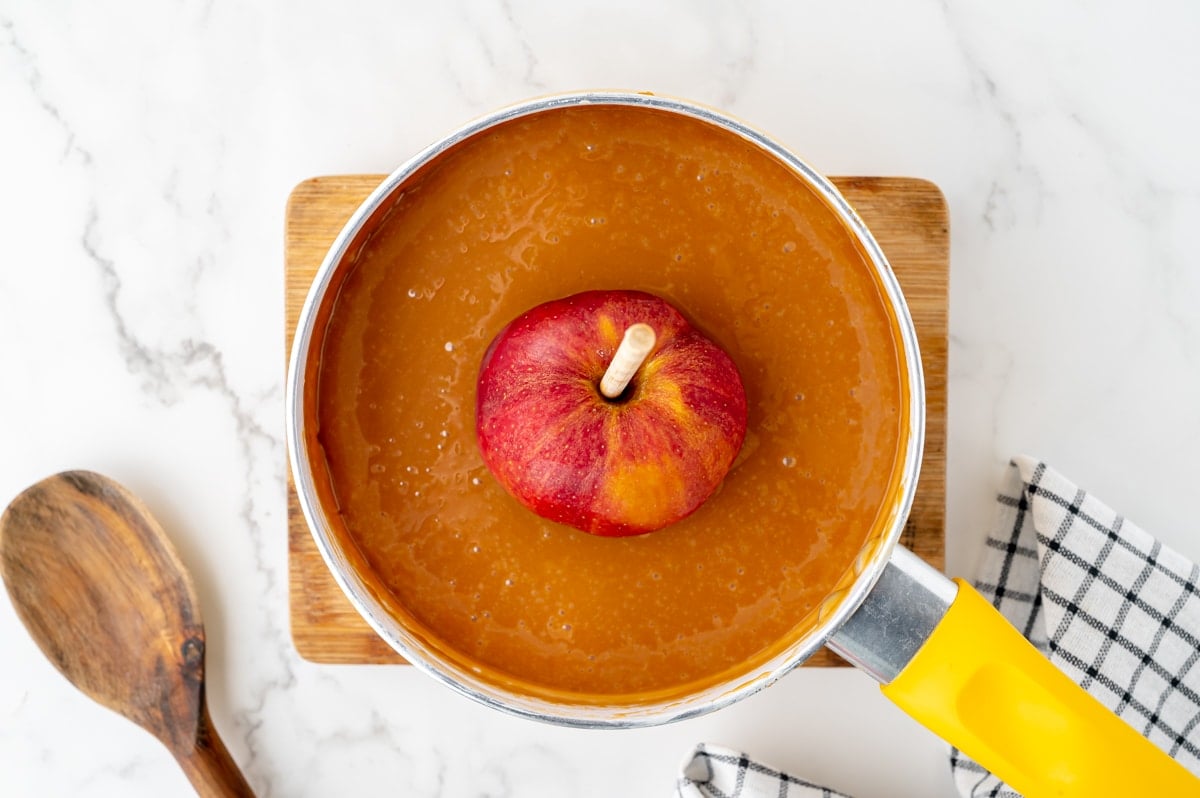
604 198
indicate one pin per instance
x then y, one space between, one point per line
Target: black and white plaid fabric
1111 606
713 772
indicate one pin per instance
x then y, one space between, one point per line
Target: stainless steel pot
870 565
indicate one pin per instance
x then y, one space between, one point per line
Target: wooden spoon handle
209 767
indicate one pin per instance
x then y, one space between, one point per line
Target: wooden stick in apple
635 347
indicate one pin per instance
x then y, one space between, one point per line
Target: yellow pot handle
980 685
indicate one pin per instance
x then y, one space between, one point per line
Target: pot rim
836 608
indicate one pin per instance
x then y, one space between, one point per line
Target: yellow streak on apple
639 488
666 393
609 334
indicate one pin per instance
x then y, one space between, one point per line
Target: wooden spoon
99 587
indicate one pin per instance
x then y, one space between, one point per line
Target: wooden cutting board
908 217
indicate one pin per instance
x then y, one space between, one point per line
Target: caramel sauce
605 198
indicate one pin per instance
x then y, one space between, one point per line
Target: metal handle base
896 617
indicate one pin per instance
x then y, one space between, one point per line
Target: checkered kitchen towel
714 772
1112 607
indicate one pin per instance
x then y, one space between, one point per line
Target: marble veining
148 152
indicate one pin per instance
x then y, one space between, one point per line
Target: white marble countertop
147 152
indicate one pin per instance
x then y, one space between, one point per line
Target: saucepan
937 648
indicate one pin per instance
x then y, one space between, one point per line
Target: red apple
619 466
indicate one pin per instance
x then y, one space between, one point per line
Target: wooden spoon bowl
96 582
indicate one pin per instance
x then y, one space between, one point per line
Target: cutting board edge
344 641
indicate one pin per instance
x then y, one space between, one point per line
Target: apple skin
609 467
